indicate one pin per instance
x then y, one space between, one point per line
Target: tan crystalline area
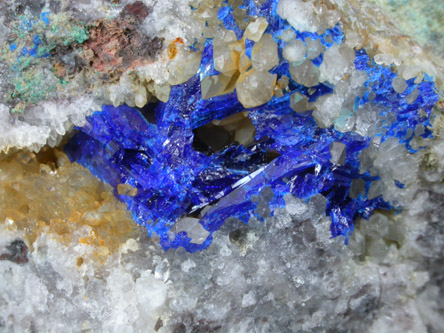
373 30
251 79
45 193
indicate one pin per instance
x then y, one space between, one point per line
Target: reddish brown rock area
16 252
137 10
116 45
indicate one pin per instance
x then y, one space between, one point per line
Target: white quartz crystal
314 48
171 19
327 109
338 152
265 54
399 84
295 51
300 14
307 15
44 123
52 292
288 35
338 61
256 88
306 73
193 228
368 119
256 29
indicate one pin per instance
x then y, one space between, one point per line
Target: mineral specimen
236 140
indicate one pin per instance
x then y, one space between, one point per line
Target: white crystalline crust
283 274
53 294
172 19
307 15
373 30
45 123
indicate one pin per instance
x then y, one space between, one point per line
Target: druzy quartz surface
174 180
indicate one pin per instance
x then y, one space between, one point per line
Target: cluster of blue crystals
26 26
174 180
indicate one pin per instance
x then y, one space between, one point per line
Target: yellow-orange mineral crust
46 193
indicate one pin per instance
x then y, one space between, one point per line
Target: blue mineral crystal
175 180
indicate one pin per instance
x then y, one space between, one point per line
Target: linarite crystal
256 165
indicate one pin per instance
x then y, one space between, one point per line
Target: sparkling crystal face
318 107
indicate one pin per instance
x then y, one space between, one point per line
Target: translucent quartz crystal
314 48
306 73
357 188
256 29
299 102
409 72
231 59
217 85
140 97
244 62
300 14
224 59
399 84
328 108
255 88
411 98
338 61
377 226
295 51
245 132
288 35
193 228
367 120
338 151
265 54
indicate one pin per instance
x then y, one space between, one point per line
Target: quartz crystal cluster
219 166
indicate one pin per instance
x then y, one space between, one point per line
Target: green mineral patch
31 89
421 20
33 52
78 35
